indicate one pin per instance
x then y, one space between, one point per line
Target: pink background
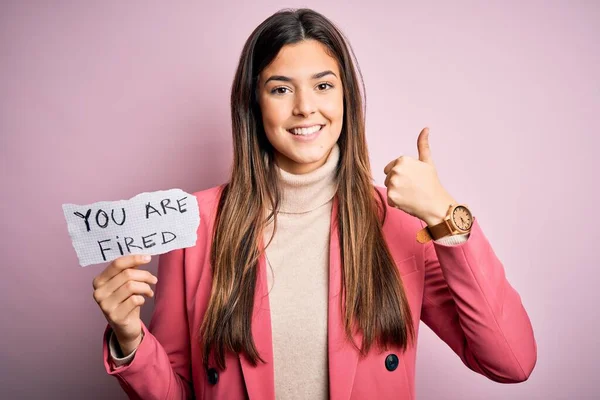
103 100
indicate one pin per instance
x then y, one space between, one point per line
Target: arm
470 305
160 367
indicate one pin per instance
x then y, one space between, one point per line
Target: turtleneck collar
302 193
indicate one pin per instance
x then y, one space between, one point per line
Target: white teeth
305 131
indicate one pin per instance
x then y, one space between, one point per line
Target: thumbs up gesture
413 185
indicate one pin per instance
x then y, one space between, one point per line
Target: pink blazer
459 291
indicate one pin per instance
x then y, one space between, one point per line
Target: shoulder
208 200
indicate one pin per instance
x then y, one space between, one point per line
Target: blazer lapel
343 357
260 380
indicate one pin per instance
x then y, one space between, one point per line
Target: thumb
423 146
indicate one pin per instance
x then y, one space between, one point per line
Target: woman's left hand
414 187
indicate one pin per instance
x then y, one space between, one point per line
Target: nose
304 103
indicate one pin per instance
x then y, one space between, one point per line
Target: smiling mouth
306 131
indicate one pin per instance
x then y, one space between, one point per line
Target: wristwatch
458 220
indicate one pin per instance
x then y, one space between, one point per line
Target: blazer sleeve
161 367
470 305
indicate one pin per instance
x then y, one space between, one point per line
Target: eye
281 89
276 90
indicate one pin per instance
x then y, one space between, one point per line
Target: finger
423 146
121 295
122 311
130 274
118 265
133 304
395 171
389 167
388 179
130 288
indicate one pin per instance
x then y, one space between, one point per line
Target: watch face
462 218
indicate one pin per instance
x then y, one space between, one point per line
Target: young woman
307 281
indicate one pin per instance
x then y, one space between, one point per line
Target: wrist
128 347
439 213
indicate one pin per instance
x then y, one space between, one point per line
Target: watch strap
440 230
423 236
437 231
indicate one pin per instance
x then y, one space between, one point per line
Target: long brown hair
375 301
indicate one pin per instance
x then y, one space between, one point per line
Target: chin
308 156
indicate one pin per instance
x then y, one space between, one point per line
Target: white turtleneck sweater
298 279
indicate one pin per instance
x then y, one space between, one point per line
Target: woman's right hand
119 291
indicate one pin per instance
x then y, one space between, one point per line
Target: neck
305 192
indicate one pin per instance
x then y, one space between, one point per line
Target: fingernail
146 258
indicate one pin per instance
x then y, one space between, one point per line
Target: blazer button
213 376
391 362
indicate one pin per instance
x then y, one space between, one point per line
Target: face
301 88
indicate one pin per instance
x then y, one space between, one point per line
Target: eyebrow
288 79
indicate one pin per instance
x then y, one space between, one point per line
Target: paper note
148 223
